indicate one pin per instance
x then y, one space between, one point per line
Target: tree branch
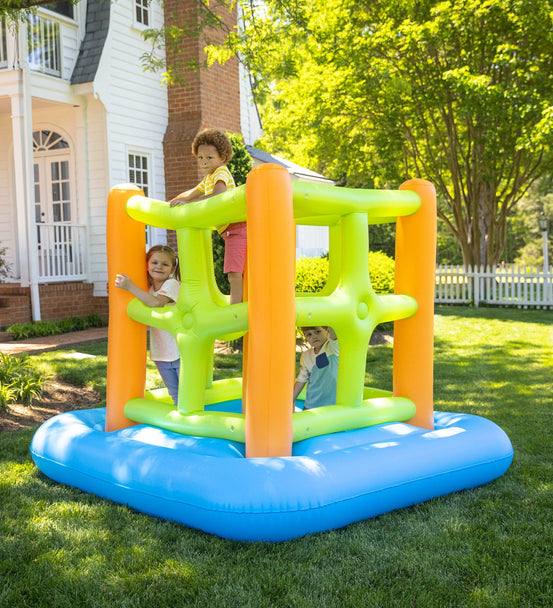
16 5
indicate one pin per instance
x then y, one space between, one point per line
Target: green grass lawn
491 546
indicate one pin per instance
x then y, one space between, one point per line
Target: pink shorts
235 247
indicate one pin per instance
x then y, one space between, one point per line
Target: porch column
22 133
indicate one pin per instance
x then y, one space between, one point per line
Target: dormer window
62 8
142 12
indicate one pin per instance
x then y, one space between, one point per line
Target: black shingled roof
97 26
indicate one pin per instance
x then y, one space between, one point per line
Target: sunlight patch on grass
13 474
78 356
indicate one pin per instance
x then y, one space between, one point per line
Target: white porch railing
44 45
61 252
508 285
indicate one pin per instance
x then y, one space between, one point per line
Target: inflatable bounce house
233 458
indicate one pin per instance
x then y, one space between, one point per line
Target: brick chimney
209 97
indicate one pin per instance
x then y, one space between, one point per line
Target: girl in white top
164 279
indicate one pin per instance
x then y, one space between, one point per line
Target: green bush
381 272
218 247
22 331
20 381
312 273
382 237
241 162
94 320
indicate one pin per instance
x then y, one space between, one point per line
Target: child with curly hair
213 150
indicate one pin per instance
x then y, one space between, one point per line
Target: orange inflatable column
126 252
269 374
415 276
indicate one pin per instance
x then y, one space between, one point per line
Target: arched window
48 140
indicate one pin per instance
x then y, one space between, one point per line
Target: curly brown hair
216 138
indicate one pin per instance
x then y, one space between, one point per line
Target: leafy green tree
382 237
16 9
17 5
525 239
459 93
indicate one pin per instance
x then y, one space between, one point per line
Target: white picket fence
509 285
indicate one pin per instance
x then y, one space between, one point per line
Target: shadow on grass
507 383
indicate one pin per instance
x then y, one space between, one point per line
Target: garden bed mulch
57 397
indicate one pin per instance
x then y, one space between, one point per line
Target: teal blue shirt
320 371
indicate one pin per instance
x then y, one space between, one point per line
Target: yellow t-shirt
221 174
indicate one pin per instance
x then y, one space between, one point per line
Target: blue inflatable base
329 481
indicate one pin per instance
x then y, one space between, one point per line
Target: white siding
135 119
69 33
136 102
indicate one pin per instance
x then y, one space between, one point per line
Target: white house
78 115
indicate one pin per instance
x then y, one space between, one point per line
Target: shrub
218 247
311 274
72 324
381 272
22 331
382 237
20 381
241 162
94 320
7 394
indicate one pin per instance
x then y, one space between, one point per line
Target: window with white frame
142 12
138 169
64 8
